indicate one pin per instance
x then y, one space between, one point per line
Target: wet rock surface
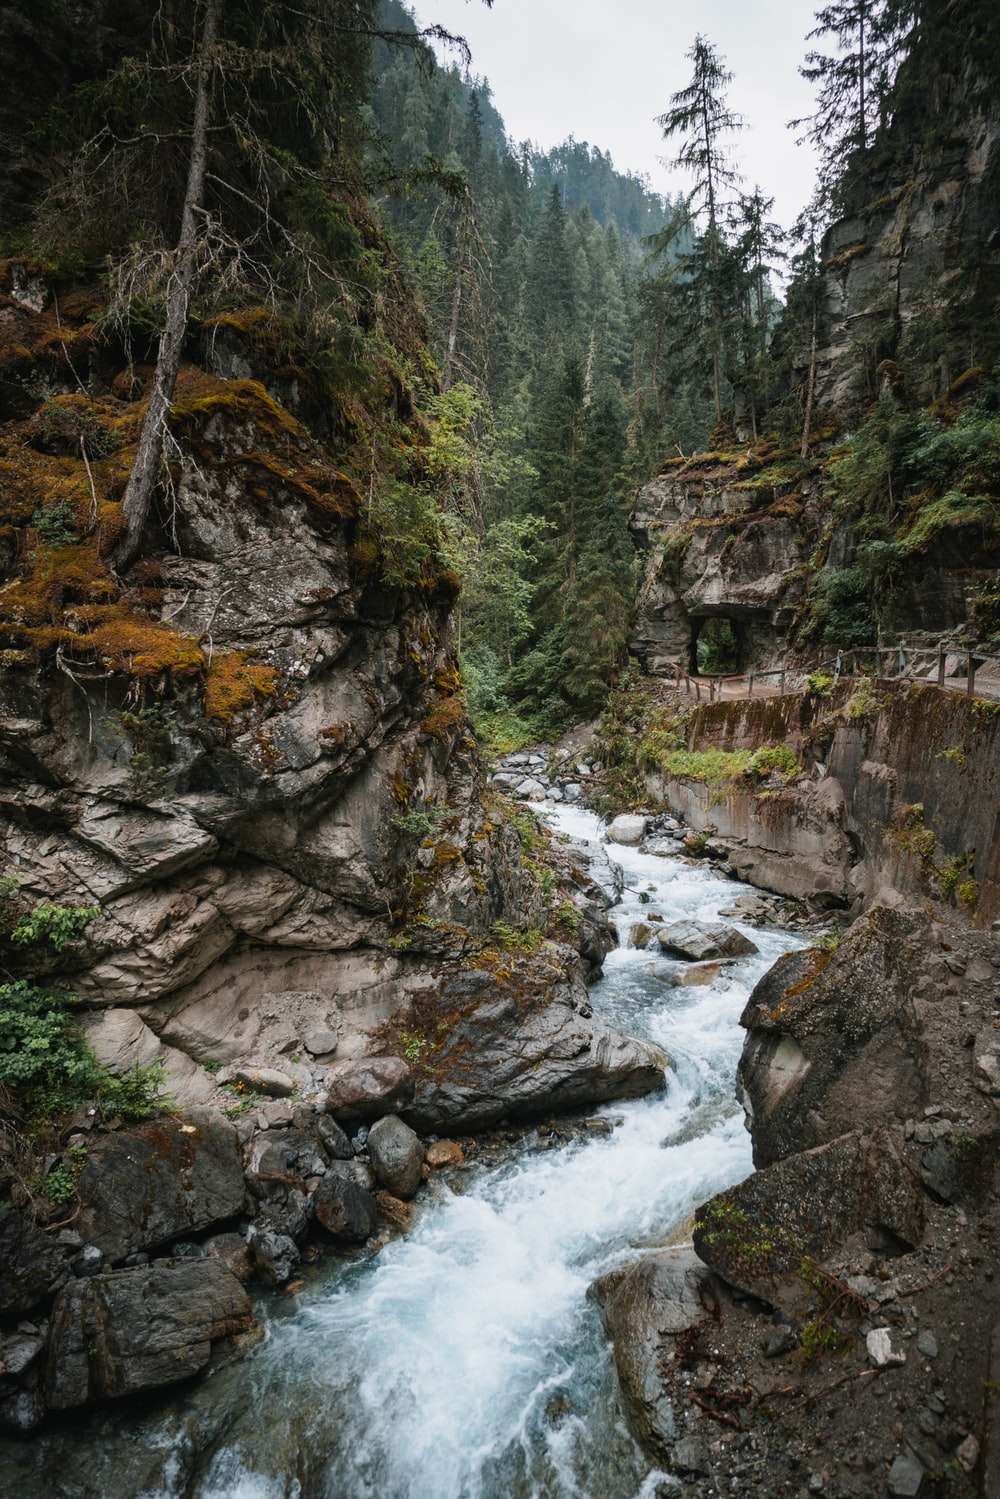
142 1187
519 1042
846 1337
139 1329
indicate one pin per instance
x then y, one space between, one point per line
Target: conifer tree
700 115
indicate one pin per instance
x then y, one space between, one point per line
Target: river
464 1361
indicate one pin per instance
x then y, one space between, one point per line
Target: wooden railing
885 662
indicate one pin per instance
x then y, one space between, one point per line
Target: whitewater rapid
464 1361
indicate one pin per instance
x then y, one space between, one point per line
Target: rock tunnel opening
718 647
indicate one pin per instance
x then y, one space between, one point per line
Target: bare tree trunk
149 455
448 366
810 388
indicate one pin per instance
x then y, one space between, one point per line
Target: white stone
628 829
880 1349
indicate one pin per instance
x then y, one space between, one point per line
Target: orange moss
234 685
143 649
843 260
443 717
199 395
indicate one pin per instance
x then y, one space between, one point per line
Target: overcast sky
601 70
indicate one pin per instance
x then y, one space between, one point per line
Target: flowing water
464 1360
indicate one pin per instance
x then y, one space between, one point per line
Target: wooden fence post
970 685
942 662
750 683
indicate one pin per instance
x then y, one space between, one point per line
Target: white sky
601 70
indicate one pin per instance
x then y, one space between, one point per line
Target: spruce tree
700 115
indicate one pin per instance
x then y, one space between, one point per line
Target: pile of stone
535 776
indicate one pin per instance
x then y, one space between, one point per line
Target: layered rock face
898 790
719 540
223 750
870 1077
913 270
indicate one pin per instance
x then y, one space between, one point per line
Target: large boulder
845 1040
699 941
344 1208
143 1187
757 1234
141 1328
646 1307
627 829
514 1043
368 1088
397 1156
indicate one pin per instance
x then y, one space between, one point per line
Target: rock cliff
251 751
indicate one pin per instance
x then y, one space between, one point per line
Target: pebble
967 1453
927 1344
880 1348
906 1477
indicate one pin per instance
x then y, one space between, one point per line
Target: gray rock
521 1046
138 1329
18 1351
927 1344
143 1187
627 829
698 941
31 1264
882 1351
690 1455
967 1453
368 1088
397 1156
232 1250
22 1413
275 1256
90 1261
906 1476
344 1208
265 1080
663 1293
756 1233
333 1138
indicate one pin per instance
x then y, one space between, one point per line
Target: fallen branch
916 1290
716 1415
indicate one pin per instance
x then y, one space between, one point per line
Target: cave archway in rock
717 646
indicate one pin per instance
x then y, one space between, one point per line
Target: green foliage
819 1337
771 758
423 822
47 924
509 939
59 1184
839 609
864 701
134 1094
712 767
819 684
518 816
148 733
55 523
39 1045
412 1046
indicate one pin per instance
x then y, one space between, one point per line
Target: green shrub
423 822
48 1066
775 757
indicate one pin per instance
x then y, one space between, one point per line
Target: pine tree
702 117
